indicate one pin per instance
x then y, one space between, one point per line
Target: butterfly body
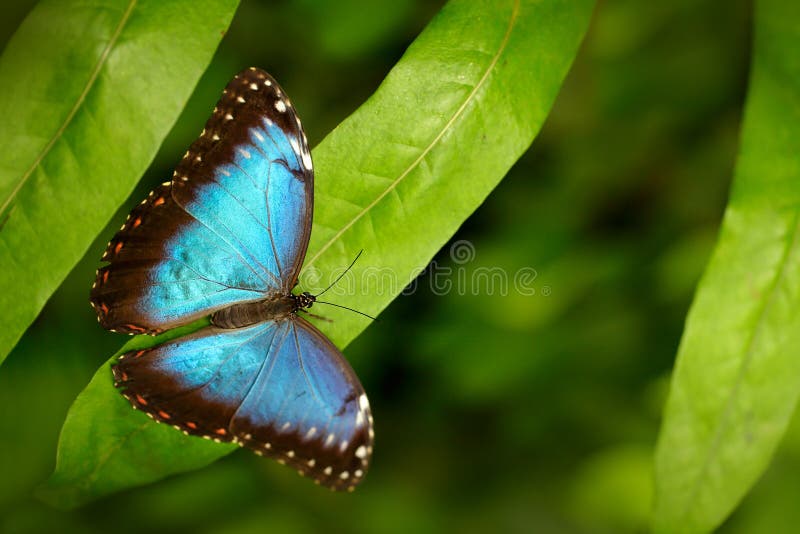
280 307
225 239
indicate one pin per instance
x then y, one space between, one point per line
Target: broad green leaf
396 179
88 91
737 377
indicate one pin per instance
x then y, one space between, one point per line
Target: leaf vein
427 150
792 243
74 111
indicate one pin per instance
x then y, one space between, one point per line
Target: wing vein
314 390
219 369
268 357
269 223
235 250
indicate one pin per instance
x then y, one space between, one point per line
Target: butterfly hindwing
232 225
279 387
196 382
309 406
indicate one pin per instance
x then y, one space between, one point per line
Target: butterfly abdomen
250 313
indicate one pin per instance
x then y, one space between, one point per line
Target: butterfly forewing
232 225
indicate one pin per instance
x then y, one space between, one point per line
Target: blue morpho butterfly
226 238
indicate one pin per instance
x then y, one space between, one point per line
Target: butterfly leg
315 316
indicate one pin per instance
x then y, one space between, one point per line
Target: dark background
493 412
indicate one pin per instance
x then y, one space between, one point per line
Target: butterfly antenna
346 308
341 275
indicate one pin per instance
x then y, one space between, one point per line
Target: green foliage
737 377
459 103
90 90
104 449
494 411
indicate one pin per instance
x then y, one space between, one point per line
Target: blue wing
308 405
279 388
232 225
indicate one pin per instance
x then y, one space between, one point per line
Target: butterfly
226 238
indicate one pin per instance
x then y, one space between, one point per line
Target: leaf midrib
391 187
74 111
748 357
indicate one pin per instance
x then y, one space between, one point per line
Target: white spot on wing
280 106
244 153
307 160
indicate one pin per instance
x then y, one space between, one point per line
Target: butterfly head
304 300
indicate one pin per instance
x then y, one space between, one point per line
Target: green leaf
737 377
396 179
94 457
88 91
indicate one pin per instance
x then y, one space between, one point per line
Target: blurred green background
493 413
